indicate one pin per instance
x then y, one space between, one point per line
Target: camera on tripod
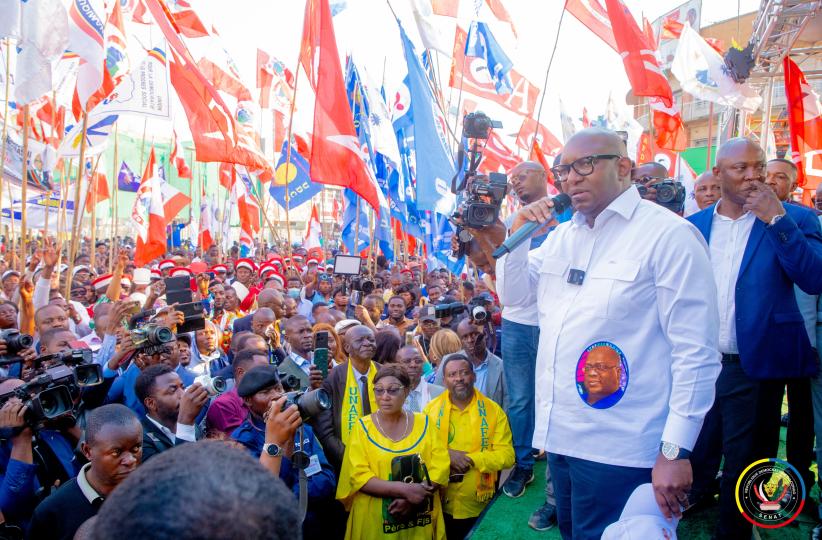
58 379
669 194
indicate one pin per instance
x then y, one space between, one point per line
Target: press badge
313 466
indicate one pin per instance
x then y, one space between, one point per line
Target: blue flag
127 180
349 224
295 176
434 173
481 44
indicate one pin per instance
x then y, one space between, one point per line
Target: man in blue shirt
259 388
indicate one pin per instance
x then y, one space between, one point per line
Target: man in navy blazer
760 248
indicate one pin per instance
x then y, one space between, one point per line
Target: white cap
240 289
142 276
345 324
138 296
641 519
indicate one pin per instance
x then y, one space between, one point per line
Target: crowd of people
636 351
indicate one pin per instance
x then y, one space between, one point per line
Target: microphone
561 203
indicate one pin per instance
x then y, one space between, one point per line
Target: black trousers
800 436
457 529
730 429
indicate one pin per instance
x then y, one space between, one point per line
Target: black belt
727 358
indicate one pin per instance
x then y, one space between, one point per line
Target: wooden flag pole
12 249
61 220
93 186
288 156
50 191
370 235
5 129
115 193
24 187
75 241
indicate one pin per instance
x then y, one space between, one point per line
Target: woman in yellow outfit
381 506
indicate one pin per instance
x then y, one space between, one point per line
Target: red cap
245 263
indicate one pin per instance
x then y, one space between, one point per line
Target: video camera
51 392
479 196
150 338
15 342
476 311
360 288
669 194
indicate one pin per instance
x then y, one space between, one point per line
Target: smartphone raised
321 352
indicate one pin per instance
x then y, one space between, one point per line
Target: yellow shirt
368 454
460 499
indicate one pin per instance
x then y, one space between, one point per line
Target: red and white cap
266 268
321 267
102 282
312 260
125 281
156 274
240 289
406 271
180 271
276 259
298 258
167 264
245 263
278 276
219 269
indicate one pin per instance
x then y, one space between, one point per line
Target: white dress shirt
647 292
184 432
418 398
728 240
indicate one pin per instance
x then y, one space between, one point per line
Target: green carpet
508 518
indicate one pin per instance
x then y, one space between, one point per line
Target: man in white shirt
617 276
422 392
171 410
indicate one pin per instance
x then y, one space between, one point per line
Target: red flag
539 157
672 29
585 122
547 141
447 8
264 80
217 136
179 162
335 211
471 74
804 119
227 175
336 156
100 185
594 17
279 129
497 155
640 62
190 24
148 217
649 34
222 81
501 13
643 149
670 131
207 235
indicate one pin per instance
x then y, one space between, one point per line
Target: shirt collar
162 428
716 214
299 360
88 492
624 205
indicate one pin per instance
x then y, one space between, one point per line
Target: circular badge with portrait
602 375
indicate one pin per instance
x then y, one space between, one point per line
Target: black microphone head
561 203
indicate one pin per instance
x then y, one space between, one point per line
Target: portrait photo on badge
601 375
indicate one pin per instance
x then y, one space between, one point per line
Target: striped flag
86 24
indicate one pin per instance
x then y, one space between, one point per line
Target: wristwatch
272 449
672 452
776 218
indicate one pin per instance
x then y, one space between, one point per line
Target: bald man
760 248
267 298
706 190
604 278
602 374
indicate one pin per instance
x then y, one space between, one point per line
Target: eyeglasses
599 368
392 391
584 166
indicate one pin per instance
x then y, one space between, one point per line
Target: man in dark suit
759 249
299 362
171 409
268 298
113 447
346 407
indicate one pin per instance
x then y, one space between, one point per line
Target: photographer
261 391
299 361
651 178
17 485
171 410
227 411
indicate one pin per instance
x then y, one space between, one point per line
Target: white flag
10 21
43 39
701 73
431 37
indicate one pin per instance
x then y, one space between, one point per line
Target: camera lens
219 384
88 375
313 403
665 193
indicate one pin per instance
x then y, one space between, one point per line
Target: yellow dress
368 455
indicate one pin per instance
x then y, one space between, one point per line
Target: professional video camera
442 311
669 194
479 197
15 342
361 286
58 378
477 311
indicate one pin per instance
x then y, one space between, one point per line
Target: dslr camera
361 286
669 194
310 403
150 338
15 342
213 385
442 311
58 379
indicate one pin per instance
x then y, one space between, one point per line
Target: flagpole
710 129
143 145
76 215
24 186
49 192
61 220
545 82
92 185
370 235
12 249
115 187
650 129
288 157
5 127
